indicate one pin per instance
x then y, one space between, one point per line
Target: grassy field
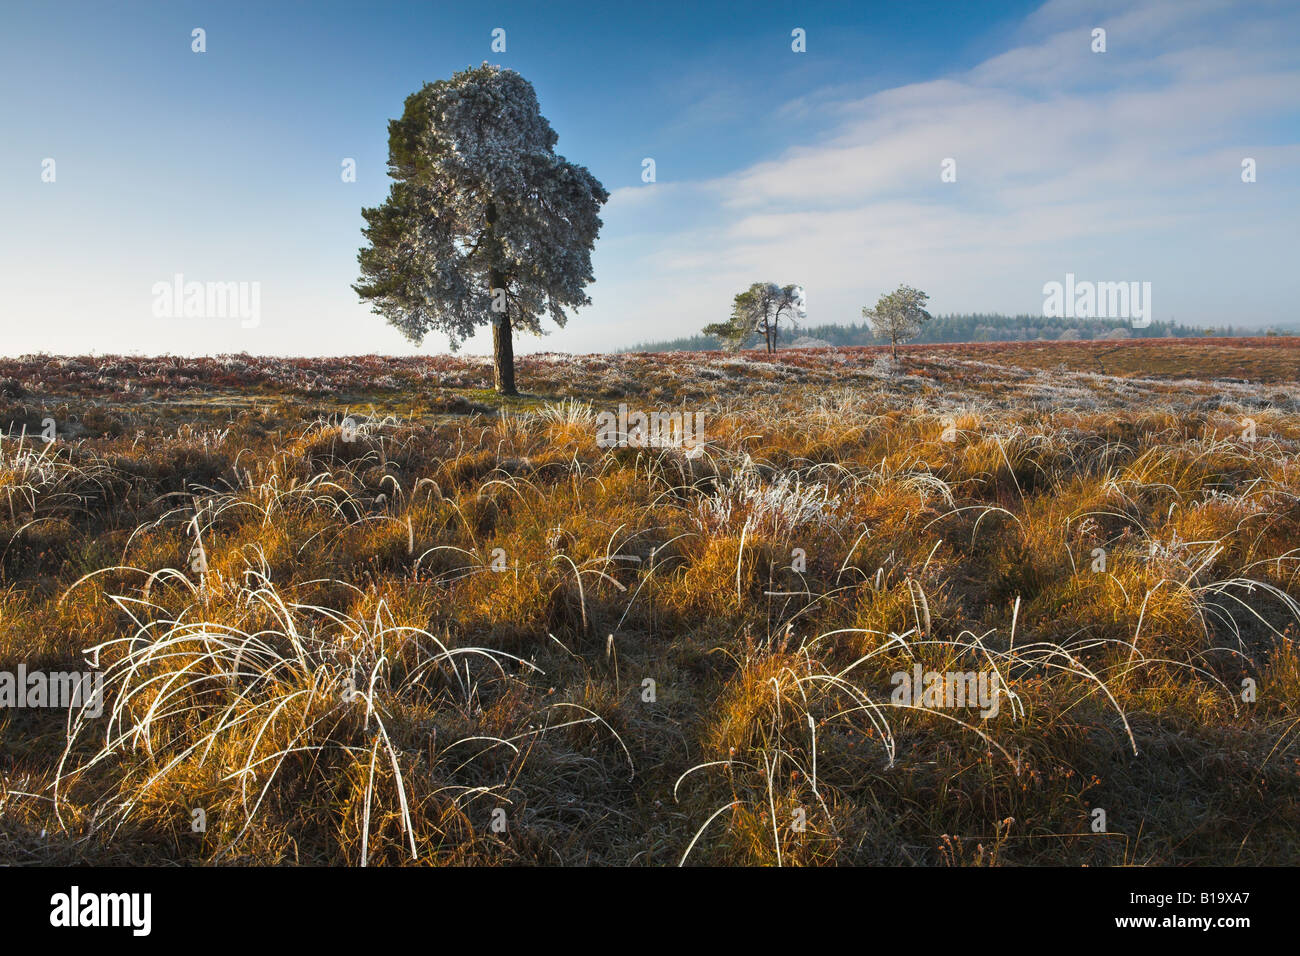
356 611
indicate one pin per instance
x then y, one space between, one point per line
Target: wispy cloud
1122 165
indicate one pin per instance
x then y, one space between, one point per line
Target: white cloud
1122 165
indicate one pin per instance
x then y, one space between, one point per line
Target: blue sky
821 167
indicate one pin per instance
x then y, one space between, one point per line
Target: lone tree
483 220
898 316
758 311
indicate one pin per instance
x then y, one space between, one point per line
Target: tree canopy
898 315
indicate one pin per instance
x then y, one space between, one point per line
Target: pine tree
483 222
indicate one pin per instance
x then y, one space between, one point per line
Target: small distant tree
759 311
898 316
483 222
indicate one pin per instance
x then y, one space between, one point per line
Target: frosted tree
483 222
898 316
759 311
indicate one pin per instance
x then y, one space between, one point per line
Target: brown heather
304 633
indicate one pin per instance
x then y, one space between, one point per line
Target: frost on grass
362 630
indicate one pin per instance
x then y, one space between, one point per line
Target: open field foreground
365 610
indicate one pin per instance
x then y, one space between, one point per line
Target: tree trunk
893 346
503 349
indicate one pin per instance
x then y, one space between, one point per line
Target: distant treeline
967 328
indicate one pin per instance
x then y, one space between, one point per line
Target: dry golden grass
449 636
